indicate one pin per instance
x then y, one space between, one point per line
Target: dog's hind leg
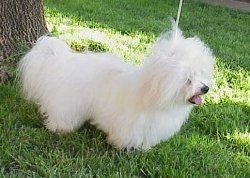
58 125
63 121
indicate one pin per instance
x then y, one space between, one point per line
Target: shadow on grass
222 118
223 123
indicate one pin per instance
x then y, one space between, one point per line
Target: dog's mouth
196 99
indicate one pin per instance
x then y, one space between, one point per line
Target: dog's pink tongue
196 100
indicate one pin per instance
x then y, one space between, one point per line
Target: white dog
135 107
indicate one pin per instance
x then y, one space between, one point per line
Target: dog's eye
189 82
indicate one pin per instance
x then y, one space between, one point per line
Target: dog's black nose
204 89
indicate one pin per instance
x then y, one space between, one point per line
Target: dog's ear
150 90
149 94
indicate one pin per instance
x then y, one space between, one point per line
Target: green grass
215 142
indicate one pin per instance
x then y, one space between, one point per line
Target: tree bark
21 23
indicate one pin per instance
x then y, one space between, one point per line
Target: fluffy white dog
136 107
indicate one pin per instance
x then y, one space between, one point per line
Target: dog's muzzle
196 99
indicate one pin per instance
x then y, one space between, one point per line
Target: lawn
215 142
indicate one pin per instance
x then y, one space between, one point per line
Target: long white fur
135 107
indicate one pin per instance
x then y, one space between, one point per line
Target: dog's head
195 61
182 68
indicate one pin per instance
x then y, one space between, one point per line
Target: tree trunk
21 23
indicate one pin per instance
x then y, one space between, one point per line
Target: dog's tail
51 46
35 66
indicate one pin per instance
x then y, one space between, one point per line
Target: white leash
179 13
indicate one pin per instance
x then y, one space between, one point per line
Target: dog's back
51 46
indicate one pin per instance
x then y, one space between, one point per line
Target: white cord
179 13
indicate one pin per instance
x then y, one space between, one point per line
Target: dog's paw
59 127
